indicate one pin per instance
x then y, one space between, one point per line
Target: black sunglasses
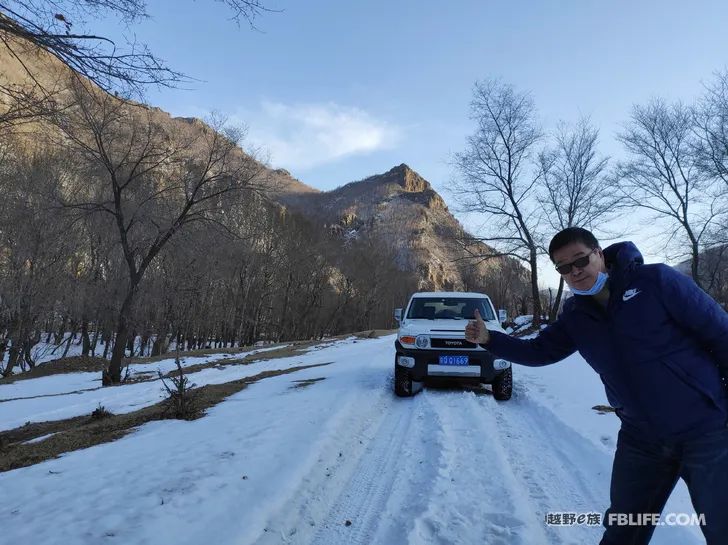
580 262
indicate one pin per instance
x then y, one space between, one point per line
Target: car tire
402 382
503 385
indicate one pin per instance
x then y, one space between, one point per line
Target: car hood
445 328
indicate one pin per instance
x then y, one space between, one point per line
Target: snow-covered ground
44 352
42 399
338 461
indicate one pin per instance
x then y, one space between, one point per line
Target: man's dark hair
569 235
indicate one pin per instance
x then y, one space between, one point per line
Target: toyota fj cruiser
431 343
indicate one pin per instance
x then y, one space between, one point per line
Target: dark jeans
645 472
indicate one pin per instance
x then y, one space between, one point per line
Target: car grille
451 343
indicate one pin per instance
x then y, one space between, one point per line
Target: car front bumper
427 364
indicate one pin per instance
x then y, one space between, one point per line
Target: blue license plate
453 360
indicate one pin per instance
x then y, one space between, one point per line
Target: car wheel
503 385
402 382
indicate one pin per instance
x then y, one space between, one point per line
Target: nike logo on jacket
630 293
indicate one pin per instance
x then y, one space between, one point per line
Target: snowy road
341 461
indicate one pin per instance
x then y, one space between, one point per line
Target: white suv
431 343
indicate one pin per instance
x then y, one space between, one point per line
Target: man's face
581 278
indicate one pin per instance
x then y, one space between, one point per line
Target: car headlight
499 364
423 341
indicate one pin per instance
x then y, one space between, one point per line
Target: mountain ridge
399 207
402 208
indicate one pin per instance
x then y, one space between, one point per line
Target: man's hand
475 331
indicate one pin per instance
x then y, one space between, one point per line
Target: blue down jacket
657 347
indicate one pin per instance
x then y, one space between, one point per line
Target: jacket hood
621 259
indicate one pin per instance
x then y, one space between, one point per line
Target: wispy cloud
301 136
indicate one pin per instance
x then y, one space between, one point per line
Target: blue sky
336 91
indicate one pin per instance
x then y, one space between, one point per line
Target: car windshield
454 308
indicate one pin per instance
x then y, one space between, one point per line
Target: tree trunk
112 374
27 349
161 344
695 264
3 348
107 341
10 340
13 354
256 320
21 359
48 330
131 340
554 311
85 339
95 340
284 311
537 311
71 336
61 332
143 344
157 346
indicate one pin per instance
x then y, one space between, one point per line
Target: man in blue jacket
660 345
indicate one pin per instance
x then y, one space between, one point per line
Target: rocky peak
407 178
401 208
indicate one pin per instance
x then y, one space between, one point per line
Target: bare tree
711 129
243 269
711 152
574 190
27 103
664 178
61 27
151 184
499 175
35 248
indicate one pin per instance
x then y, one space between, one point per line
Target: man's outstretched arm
551 345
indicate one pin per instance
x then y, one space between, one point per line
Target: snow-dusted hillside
401 208
336 459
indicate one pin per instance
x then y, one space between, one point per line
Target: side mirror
398 314
502 315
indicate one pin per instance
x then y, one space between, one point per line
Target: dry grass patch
374 333
603 409
86 431
306 382
75 364
191 354
292 349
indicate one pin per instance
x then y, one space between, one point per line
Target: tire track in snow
475 497
363 496
361 442
392 482
548 459
381 483
413 482
534 426
417 455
